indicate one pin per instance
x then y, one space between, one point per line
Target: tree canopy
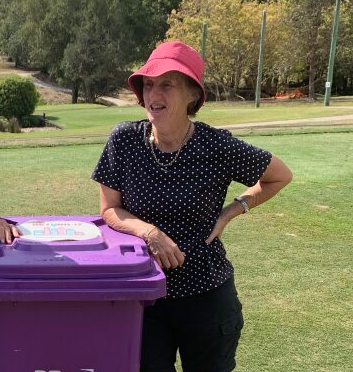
297 43
87 45
91 46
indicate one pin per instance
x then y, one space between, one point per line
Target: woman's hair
197 93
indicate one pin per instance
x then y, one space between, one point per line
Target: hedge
18 96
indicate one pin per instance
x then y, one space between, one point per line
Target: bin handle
140 249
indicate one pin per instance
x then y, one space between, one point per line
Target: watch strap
243 203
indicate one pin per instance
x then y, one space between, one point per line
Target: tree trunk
312 74
218 95
88 92
74 93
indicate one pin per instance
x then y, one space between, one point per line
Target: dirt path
111 101
42 84
52 93
310 122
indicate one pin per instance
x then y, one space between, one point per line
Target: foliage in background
343 72
91 46
296 47
96 56
311 23
9 125
18 97
231 41
88 45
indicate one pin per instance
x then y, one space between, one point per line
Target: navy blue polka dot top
185 200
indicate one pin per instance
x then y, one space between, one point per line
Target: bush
9 125
3 124
18 97
33 121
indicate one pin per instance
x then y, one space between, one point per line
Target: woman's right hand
164 250
8 231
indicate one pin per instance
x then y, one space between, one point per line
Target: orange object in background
295 94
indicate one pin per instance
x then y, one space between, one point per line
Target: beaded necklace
171 162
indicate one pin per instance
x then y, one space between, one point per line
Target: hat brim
157 67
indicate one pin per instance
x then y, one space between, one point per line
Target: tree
146 21
232 41
94 56
310 39
18 97
87 45
343 72
12 41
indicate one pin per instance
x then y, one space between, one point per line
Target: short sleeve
107 171
247 163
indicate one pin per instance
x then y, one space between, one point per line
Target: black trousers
205 328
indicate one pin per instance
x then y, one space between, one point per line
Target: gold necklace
170 163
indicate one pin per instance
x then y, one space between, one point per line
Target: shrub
33 121
3 124
14 125
18 97
9 125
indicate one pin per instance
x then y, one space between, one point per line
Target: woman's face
166 97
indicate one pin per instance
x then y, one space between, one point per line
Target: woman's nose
154 91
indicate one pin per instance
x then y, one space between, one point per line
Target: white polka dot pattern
186 200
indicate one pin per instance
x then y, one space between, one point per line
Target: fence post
203 46
331 61
261 56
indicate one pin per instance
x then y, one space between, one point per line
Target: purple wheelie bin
72 295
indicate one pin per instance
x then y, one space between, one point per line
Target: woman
165 180
7 232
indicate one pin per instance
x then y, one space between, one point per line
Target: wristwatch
243 203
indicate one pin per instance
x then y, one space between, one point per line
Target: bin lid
72 247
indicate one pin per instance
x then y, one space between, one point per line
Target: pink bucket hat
170 56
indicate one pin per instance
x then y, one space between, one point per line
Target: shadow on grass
40 121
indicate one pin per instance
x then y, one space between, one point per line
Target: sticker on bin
51 231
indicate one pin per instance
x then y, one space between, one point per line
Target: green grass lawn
88 123
292 255
97 116
293 259
83 116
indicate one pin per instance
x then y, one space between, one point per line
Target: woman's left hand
7 231
217 230
276 176
226 215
